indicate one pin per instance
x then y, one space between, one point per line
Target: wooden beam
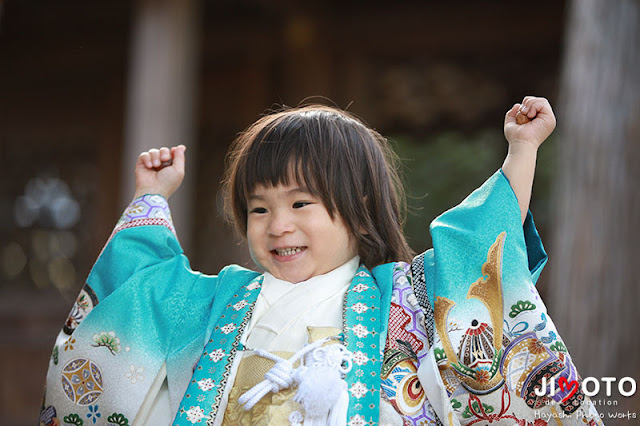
161 92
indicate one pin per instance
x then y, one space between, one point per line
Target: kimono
458 337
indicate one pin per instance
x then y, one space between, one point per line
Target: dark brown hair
332 154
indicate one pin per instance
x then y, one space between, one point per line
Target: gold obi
272 409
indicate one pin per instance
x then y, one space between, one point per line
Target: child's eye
300 204
259 210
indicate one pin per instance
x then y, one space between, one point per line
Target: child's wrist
523 147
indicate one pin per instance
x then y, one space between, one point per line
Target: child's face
292 236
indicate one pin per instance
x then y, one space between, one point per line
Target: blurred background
86 86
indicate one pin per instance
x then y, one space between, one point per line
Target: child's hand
160 171
533 132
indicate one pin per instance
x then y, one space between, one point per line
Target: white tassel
338 415
318 390
321 390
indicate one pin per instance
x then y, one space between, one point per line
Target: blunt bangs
281 154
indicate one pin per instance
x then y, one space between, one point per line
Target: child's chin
293 277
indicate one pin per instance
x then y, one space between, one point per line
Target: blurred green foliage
440 171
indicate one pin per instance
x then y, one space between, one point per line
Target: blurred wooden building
85 86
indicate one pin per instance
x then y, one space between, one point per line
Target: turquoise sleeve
494 335
143 273
141 307
463 235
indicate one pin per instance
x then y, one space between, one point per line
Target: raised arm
142 314
524 141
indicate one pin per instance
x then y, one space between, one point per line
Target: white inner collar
274 288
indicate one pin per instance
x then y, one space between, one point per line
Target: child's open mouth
288 251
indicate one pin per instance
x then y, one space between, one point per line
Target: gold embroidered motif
520 361
441 315
488 290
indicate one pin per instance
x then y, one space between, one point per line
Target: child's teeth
288 251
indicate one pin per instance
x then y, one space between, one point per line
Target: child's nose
281 223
